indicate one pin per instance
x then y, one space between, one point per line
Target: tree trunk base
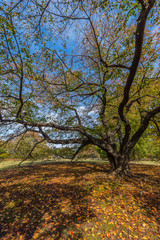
119 165
120 172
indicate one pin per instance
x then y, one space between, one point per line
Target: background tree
29 145
148 147
3 152
102 91
89 152
62 152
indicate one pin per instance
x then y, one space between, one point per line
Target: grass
13 163
64 201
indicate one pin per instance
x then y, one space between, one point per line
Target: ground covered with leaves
64 201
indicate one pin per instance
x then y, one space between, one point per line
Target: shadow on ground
51 200
147 195
45 198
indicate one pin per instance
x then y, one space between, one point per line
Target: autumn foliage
82 73
60 201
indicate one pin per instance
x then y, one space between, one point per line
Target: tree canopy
81 72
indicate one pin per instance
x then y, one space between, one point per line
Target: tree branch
143 126
137 55
31 151
85 142
133 69
157 127
64 141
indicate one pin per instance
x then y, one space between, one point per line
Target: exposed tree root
120 172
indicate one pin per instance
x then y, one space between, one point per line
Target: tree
3 152
148 147
29 145
89 152
64 152
103 92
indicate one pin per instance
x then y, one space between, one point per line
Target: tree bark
119 164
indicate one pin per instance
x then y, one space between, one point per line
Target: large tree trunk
119 164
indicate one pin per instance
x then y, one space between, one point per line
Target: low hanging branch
30 153
143 126
85 142
95 97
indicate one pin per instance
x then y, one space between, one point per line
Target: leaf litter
64 201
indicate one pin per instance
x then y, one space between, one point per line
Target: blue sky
57 44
